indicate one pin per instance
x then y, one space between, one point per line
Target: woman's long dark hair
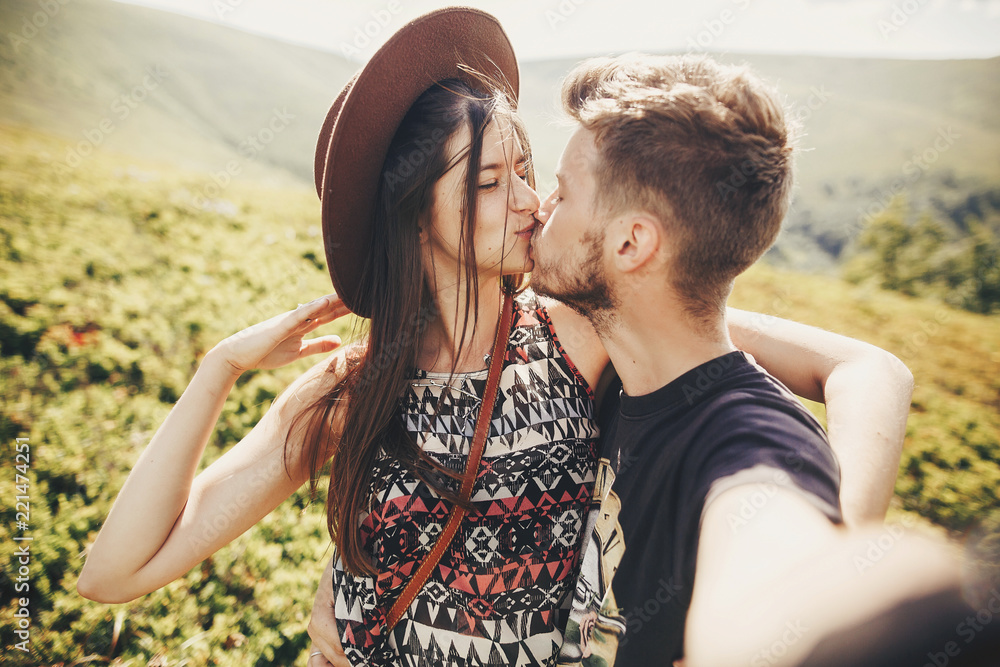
379 371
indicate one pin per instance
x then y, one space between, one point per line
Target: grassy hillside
113 283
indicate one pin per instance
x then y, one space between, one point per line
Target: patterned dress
501 593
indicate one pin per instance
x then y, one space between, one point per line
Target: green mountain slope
114 283
215 87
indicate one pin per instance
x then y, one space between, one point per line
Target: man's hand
326 649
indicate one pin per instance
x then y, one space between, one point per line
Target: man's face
568 249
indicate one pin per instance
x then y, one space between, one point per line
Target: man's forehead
577 158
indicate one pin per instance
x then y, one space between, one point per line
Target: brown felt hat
360 125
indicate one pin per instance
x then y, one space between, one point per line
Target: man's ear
638 239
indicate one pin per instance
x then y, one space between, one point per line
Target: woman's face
506 207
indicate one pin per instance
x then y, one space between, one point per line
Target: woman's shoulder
577 337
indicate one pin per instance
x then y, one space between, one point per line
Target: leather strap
458 512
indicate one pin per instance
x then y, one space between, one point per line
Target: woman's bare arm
165 520
867 394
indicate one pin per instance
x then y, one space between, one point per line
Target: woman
428 211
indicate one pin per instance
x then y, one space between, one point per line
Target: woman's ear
424 228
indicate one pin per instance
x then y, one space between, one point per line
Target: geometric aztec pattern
502 591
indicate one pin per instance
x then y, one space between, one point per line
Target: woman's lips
528 231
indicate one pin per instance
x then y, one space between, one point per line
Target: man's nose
545 209
543 213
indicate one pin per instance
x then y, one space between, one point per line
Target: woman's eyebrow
497 165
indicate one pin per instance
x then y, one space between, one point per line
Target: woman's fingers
306 312
322 628
319 345
329 654
316 313
279 341
316 658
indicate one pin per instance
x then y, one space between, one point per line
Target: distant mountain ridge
236 105
219 87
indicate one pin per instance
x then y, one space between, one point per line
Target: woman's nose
525 198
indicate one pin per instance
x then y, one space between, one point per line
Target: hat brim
363 119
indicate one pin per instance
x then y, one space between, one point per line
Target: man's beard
584 287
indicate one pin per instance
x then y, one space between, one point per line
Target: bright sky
553 28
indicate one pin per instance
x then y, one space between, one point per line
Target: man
674 182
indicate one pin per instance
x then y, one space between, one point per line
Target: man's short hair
703 147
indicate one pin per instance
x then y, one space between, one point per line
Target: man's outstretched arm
769 590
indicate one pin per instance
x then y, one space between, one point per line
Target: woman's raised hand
166 519
279 341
